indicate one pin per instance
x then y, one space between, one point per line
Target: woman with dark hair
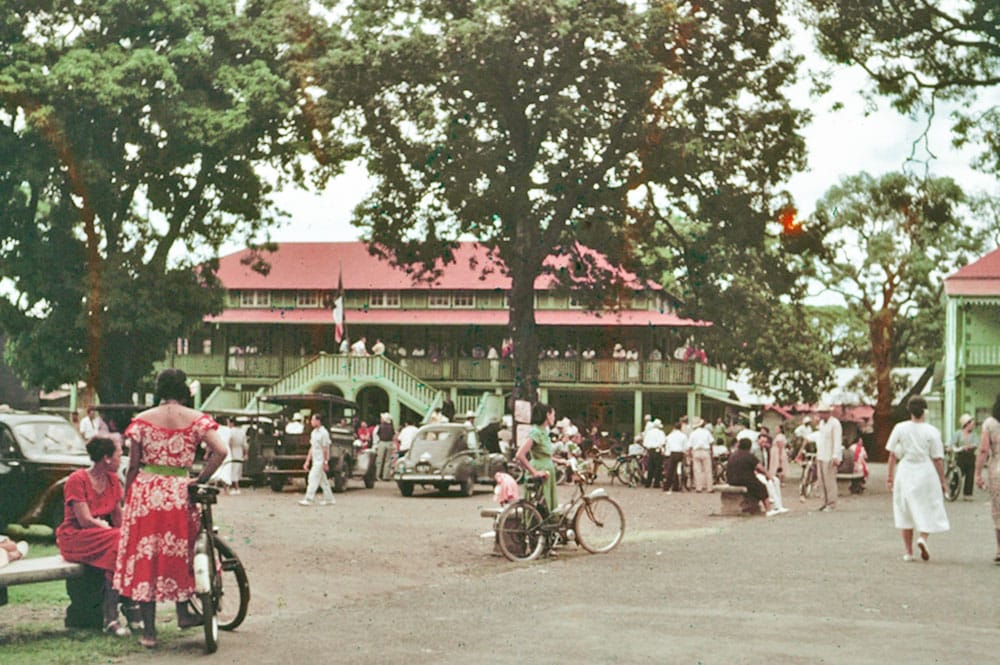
92 514
539 445
916 477
741 471
159 523
989 452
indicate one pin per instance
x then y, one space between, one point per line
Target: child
11 551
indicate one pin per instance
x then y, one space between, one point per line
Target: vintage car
284 449
37 452
447 454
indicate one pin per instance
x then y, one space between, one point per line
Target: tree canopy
919 52
130 136
888 243
542 127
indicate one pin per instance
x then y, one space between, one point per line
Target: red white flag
338 310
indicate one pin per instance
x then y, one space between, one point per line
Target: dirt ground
383 579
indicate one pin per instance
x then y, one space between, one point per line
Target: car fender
36 512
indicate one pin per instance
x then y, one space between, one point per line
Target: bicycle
626 469
222 590
524 529
954 479
810 474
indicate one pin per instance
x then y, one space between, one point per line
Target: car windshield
50 437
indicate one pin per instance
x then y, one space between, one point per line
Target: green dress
541 460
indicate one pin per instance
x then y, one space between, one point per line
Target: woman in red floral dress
159 525
92 514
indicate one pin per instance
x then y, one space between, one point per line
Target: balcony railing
266 368
982 355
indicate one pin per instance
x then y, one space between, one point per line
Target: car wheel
339 481
370 477
406 489
468 486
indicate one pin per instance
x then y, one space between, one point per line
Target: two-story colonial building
444 338
972 340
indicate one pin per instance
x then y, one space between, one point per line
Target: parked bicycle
626 469
221 585
524 528
954 479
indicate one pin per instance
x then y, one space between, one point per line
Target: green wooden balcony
476 373
982 355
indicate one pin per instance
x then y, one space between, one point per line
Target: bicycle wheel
808 482
211 622
953 481
233 591
633 473
599 524
519 532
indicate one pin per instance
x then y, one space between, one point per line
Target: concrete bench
848 479
734 501
40 569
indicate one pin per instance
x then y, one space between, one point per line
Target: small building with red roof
441 337
972 340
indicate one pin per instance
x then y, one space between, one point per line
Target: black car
37 453
447 454
284 445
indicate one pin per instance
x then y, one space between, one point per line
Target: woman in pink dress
92 514
159 525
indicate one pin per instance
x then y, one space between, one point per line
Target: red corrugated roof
979 278
451 317
317 265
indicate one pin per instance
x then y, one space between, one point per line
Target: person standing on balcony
378 348
360 347
384 449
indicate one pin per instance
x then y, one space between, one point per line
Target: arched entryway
372 401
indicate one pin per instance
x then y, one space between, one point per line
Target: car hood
59 459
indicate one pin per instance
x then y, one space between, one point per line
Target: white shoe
328 503
907 558
783 510
22 547
305 502
772 512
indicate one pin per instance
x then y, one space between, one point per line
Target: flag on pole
338 309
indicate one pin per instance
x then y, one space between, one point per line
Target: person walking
319 460
158 521
829 450
915 474
989 454
964 443
237 454
384 447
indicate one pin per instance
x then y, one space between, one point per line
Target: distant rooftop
979 278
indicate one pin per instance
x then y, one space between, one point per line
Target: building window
383 299
439 300
463 300
182 346
255 299
307 298
575 302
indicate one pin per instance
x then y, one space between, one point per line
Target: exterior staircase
349 371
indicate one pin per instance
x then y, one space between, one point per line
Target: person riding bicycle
539 444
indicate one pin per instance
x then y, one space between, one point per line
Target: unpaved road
381 579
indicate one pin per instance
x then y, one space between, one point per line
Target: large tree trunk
881 331
523 329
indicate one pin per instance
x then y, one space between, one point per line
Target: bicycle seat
203 493
532 481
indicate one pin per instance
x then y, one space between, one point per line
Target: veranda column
637 398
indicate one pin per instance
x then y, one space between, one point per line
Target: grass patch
46 643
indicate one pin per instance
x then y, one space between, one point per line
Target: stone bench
734 502
846 480
40 569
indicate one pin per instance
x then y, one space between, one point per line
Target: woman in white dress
916 478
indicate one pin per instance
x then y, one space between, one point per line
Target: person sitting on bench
741 471
93 513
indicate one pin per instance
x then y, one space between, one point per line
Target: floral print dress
159 523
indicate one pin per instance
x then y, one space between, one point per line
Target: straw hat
965 419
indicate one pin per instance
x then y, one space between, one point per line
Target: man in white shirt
677 445
829 451
360 347
654 439
92 425
319 460
406 437
700 442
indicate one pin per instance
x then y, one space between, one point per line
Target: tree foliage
919 52
131 135
545 127
888 243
